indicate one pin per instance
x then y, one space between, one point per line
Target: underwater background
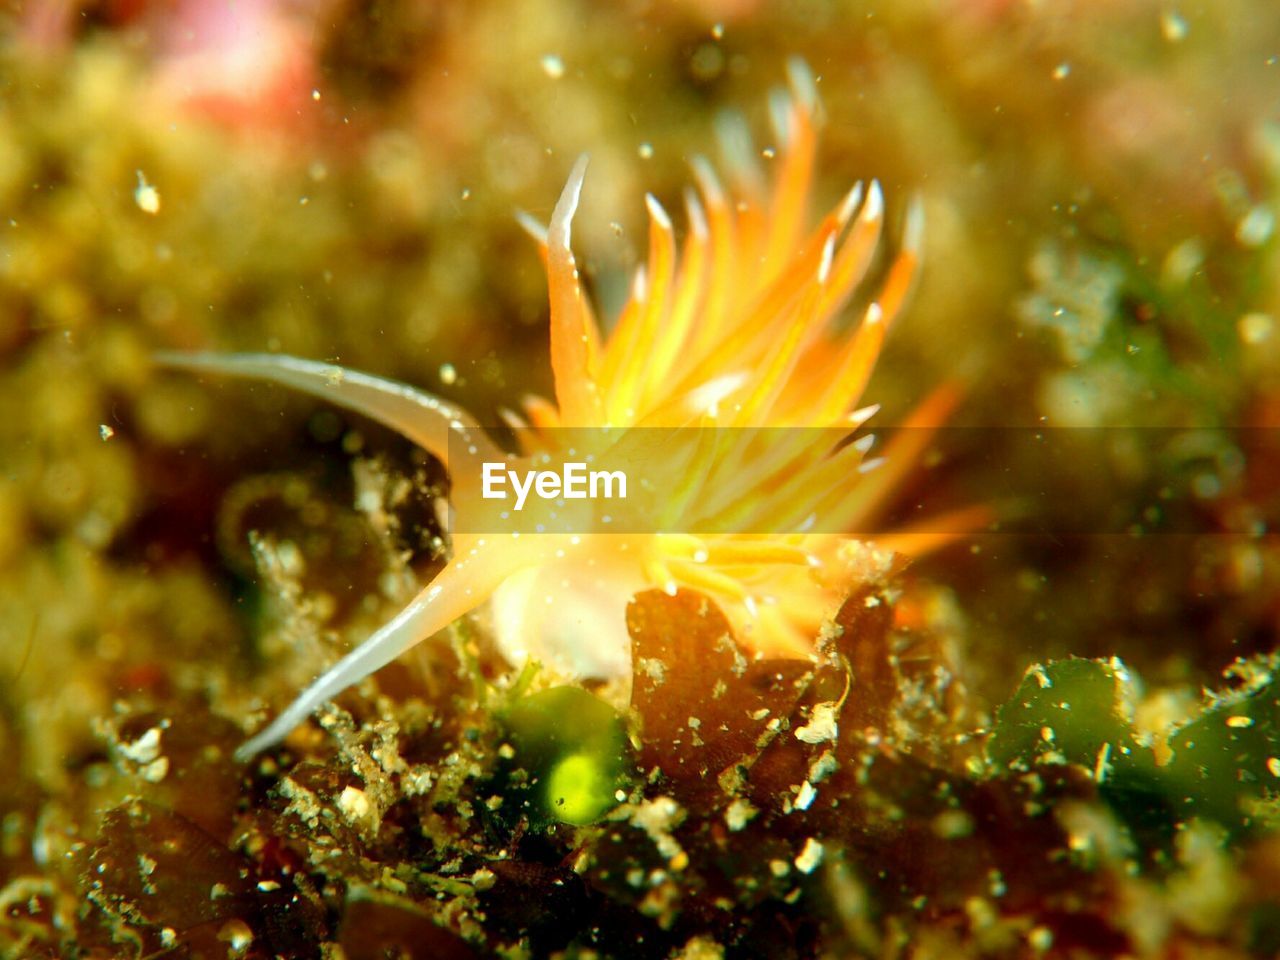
1056 737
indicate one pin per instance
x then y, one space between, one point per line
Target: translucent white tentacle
425 419
429 422
458 589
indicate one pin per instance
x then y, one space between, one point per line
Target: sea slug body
732 329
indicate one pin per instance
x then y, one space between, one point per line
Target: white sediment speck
354 804
823 767
810 857
552 66
738 814
237 935
145 749
822 724
155 771
805 796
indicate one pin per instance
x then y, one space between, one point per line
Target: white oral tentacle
443 430
434 424
457 590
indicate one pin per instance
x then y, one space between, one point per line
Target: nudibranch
734 328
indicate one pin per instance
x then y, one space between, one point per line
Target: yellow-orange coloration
733 329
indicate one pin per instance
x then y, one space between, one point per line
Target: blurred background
338 180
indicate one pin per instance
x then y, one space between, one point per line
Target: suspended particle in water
146 196
552 66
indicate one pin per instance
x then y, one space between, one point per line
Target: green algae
1220 763
568 759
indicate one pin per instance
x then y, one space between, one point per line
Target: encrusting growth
731 329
